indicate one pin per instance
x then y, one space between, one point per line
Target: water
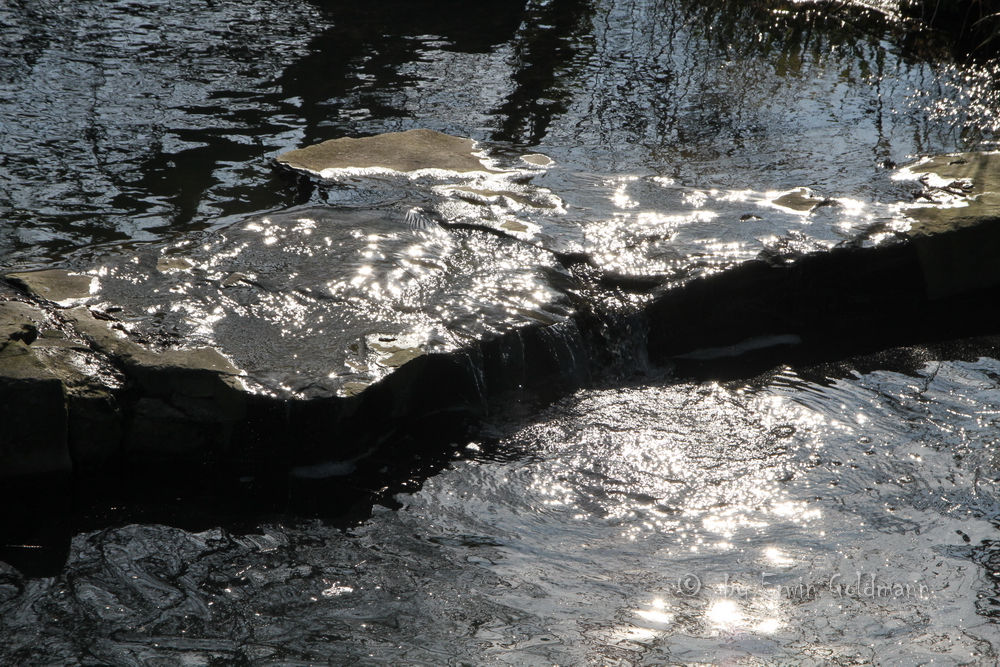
792 520
792 523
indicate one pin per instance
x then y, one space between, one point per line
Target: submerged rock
802 200
959 190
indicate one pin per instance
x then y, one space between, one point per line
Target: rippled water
795 523
142 121
850 521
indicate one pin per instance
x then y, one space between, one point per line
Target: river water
643 520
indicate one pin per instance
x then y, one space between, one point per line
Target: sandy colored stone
19 321
353 388
400 151
983 169
399 357
165 264
53 284
537 159
974 205
959 242
173 375
798 200
514 226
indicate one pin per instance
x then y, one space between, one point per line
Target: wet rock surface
303 310
401 329
960 195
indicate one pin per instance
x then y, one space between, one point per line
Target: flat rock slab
56 285
408 151
19 321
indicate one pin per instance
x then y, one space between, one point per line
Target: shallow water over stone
790 521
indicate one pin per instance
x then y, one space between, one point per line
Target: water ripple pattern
341 296
848 522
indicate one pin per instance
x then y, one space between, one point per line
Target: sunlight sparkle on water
620 197
724 614
777 557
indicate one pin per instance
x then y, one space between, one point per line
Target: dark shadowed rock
75 391
190 397
33 415
57 388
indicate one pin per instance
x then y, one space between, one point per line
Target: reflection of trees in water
548 49
119 121
130 121
714 80
554 48
688 75
356 68
972 27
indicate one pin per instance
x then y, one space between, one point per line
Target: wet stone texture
73 382
311 306
959 202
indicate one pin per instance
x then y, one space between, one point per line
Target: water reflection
145 123
686 137
523 561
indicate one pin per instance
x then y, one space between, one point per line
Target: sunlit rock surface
958 190
71 381
311 300
423 249
413 150
61 287
320 302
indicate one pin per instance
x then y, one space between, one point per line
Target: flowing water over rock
814 516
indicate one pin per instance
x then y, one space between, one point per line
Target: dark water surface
789 521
